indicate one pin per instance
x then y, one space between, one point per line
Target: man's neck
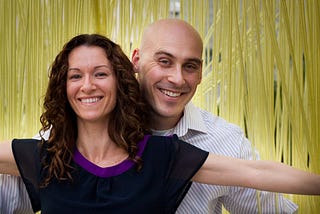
163 123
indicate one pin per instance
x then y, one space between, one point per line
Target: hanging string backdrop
261 66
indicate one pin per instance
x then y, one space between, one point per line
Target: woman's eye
75 76
101 74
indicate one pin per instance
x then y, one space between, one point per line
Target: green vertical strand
2 68
297 86
12 98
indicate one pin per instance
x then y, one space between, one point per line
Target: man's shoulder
220 136
215 122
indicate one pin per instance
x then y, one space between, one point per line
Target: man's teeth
170 93
90 100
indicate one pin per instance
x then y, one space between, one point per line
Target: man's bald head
174 30
169 68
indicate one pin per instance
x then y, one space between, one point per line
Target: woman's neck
95 144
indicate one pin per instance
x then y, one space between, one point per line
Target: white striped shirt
213 134
13 196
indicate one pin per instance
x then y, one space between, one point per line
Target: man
13 196
169 66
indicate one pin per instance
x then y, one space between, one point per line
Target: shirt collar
191 120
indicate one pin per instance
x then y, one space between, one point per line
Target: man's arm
247 200
222 137
264 175
7 162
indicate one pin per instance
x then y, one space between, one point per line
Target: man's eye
164 62
192 67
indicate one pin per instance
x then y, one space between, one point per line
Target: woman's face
91 84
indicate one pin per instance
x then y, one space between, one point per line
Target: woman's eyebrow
95 67
73 69
100 66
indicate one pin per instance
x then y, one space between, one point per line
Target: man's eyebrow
196 60
163 53
193 59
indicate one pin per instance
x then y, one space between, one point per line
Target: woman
100 157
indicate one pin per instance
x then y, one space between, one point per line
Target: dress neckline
112 170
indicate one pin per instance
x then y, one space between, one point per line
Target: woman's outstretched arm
7 162
263 175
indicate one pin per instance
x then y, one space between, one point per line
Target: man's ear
200 74
135 59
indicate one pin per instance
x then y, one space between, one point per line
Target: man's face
169 71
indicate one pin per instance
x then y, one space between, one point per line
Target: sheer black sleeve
27 157
179 161
188 159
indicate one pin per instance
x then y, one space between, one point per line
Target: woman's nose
88 84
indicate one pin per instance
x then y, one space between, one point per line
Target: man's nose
176 76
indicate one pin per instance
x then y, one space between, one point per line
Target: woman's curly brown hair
127 123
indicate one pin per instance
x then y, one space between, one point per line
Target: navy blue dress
159 187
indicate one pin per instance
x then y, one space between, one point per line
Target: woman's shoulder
159 147
165 139
164 142
25 145
172 143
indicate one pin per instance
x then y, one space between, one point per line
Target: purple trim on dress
112 170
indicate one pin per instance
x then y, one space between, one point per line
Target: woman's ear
135 60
